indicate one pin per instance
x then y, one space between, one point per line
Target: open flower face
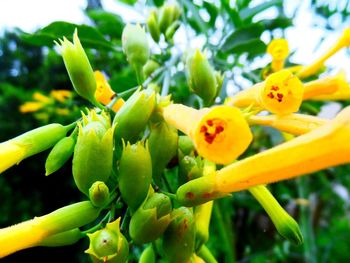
282 93
221 134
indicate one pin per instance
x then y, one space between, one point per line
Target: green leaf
212 11
107 23
279 22
248 12
195 20
241 37
89 36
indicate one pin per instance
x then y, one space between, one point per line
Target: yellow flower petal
10 154
31 106
41 97
220 134
104 92
279 50
61 95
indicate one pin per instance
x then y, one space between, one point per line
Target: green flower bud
151 219
133 116
169 33
150 67
167 15
162 144
78 67
136 48
30 143
108 244
153 27
186 145
179 237
59 155
99 194
201 77
284 223
65 238
93 152
190 168
148 255
135 174
198 191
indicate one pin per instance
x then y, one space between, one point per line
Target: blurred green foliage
29 63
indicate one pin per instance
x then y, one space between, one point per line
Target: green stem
306 224
98 226
206 255
223 233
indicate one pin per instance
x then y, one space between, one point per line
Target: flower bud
132 118
167 15
59 155
136 48
65 238
202 215
190 168
201 77
186 145
93 152
153 26
151 219
179 237
99 194
148 255
169 33
135 174
30 143
108 244
78 66
162 144
150 67
30 233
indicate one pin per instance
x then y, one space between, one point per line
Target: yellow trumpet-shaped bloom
314 67
220 134
31 106
281 93
10 154
329 85
321 148
61 95
104 92
296 124
279 51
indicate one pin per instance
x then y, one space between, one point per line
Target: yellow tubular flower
10 154
295 124
31 106
41 97
61 95
281 93
279 51
220 134
321 148
325 86
343 41
104 92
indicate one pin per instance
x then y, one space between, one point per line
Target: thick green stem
206 255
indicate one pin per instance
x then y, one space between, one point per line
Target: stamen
270 95
275 88
211 132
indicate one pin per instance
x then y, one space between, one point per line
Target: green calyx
135 174
151 219
78 67
179 237
201 77
93 152
108 244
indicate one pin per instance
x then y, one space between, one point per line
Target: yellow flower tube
343 41
31 233
281 93
321 148
295 124
220 134
326 86
31 106
279 51
104 92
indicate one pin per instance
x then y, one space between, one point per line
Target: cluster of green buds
202 79
164 21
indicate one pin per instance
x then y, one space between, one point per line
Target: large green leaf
250 12
279 22
238 39
89 36
107 23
